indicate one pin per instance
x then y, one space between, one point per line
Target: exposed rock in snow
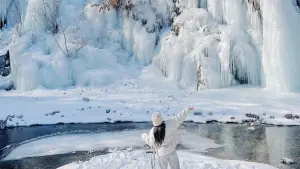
286 160
86 99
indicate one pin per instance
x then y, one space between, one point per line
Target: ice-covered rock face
195 43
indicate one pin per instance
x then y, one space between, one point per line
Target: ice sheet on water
96 141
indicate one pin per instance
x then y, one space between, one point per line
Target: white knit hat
157 119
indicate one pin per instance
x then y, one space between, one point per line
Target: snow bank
141 160
135 100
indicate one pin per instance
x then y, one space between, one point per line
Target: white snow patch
136 100
251 128
141 160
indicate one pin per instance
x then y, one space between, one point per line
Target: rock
89 107
289 116
54 112
46 114
19 117
82 109
85 99
287 161
264 114
107 111
108 119
250 115
99 107
210 113
62 116
197 113
114 111
272 117
232 118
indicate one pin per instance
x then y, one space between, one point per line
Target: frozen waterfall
281 51
195 43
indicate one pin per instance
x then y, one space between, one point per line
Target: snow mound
141 160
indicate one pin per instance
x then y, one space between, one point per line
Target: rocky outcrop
5 64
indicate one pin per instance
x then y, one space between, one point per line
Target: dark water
264 144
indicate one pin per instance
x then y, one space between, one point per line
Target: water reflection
263 145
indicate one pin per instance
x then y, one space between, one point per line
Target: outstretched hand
190 108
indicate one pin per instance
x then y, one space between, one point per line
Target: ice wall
194 43
213 47
281 50
13 11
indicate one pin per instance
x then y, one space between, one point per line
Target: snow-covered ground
136 99
141 160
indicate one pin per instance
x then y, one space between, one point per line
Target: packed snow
98 141
141 160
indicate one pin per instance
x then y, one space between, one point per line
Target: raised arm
180 117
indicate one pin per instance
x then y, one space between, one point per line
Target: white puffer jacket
171 135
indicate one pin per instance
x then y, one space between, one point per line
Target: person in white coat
163 138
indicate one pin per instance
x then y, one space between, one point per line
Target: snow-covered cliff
194 43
